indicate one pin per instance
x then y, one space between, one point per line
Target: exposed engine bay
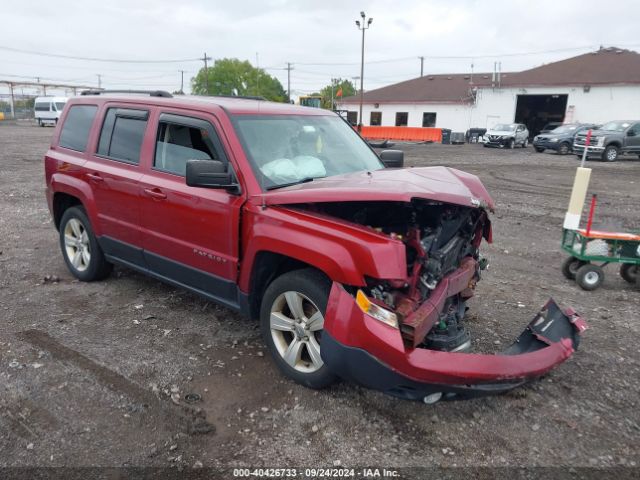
442 247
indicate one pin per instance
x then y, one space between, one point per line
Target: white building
594 87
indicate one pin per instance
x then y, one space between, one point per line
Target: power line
95 59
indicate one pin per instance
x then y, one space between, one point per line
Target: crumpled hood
442 184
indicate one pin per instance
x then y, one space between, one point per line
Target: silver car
507 135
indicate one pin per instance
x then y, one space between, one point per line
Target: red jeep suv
284 213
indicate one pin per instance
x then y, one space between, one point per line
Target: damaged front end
407 336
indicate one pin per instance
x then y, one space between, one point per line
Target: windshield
503 127
289 149
565 129
615 126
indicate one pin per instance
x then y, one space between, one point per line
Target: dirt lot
87 371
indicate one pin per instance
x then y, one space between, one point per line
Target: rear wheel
80 248
563 149
630 273
292 321
570 267
610 154
589 276
525 144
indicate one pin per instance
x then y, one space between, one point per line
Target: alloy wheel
296 325
76 244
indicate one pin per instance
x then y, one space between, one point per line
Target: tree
230 76
331 91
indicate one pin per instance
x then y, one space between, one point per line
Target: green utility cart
587 248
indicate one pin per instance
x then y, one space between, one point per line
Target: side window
77 124
635 129
42 107
179 141
122 134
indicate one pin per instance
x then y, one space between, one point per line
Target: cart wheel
570 267
630 272
589 276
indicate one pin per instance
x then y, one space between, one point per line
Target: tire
511 145
297 298
589 277
610 154
539 150
80 248
525 144
564 148
570 267
631 273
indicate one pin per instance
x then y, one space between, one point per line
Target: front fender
346 254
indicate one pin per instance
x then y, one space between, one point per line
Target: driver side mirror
392 158
210 174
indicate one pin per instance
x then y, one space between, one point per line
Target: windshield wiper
302 180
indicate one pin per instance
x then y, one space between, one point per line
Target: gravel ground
97 374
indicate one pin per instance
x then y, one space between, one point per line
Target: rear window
122 134
77 124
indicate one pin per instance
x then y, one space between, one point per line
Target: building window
376 118
352 118
402 119
429 119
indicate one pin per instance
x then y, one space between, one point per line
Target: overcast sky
319 37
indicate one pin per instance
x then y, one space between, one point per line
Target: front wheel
589 276
512 144
539 150
610 154
80 248
292 321
630 273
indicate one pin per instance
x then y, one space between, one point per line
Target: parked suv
561 138
285 214
507 135
610 141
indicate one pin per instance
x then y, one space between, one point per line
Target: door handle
155 193
95 177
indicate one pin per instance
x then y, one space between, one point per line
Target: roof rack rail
151 93
244 97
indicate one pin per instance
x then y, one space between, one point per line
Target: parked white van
48 109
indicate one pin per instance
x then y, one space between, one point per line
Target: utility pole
99 81
421 65
13 111
206 73
289 68
181 81
365 25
